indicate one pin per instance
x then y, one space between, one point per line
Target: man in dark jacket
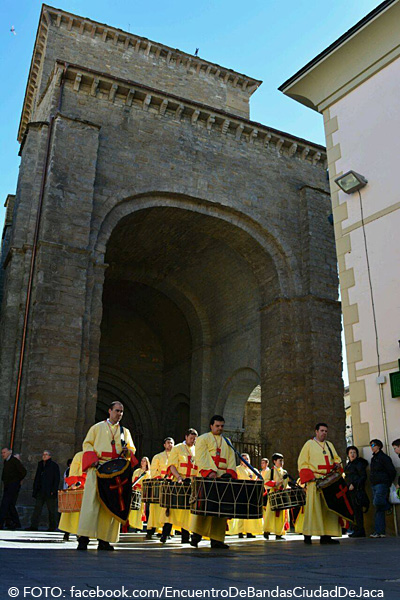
13 474
382 475
45 489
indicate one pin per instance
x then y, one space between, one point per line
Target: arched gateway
184 256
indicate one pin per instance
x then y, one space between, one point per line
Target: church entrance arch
182 301
233 400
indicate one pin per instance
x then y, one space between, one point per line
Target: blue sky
266 39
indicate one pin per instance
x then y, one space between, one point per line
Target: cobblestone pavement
32 560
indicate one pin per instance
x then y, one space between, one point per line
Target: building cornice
131 94
51 16
37 56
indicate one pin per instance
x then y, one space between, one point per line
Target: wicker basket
69 501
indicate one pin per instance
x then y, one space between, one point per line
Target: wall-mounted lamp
351 182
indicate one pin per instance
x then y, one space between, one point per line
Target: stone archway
178 417
239 294
139 415
193 286
233 398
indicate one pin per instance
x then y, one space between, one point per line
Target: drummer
214 458
158 470
317 459
276 521
181 465
248 527
102 443
137 517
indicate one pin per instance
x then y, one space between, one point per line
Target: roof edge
187 55
337 43
195 104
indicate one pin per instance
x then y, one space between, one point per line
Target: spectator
356 476
13 474
66 474
396 448
45 489
382 476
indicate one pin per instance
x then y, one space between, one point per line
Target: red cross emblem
326 466
218 460
343 494
119 486
189 468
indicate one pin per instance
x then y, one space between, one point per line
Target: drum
151 491
114 487
328 480
338 499
231 498
290 498
69 501
175 495
136 500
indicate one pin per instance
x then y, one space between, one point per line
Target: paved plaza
32 561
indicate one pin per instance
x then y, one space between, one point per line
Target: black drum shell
230 498
175 495
288 498
151 491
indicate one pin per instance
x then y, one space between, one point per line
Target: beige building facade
355 84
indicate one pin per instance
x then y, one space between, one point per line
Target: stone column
301 349
16 270
56 345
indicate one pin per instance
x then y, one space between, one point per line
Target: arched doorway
240 403
181 311
144 336
179 417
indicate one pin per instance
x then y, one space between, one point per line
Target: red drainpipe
33 260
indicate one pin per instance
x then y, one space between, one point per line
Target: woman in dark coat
356 477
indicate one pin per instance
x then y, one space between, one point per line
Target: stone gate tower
183 258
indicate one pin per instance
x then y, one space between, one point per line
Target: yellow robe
95 521
183 459
135 516
266 474
69 521
276 521
206 448
254 526
158 470
318 520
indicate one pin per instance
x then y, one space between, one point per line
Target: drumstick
243 459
